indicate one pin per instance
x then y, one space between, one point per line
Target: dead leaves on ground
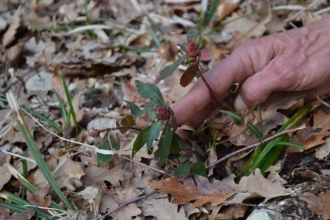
42 39
201 191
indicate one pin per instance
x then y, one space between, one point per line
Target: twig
125 204
255 145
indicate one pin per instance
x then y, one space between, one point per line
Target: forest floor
99 48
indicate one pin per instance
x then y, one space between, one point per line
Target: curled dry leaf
215 192
226 8
15 23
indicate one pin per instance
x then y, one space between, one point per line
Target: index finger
219 78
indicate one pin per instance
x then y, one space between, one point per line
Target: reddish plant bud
162 112
192 49
94 132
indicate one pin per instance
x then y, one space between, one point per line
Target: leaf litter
102 49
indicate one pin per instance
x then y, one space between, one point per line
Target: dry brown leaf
26 215
116 175
316 134
162 209
215 192
15 23
130 210
167 51
40 198
14 54
4 213
317 204
225 8
88 199
256 183
67 175
232 212
5 176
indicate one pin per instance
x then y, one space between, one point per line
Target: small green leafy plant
161 124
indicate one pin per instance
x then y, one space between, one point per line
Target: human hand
295 60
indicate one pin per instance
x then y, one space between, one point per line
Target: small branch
254 145
125 204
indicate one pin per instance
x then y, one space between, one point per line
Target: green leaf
167 71
69 100
153 36
199 168
65 115
290 144
153 133
212 14
175 147
164 144
194 35
271 152
136 111
140 140
198 149
146 136
150 91
128 121
42 117
183 169
232 114
106 145
184 46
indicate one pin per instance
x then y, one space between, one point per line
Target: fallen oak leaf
215 192
39 198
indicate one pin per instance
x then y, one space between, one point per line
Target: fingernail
239 104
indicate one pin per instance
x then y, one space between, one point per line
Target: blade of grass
153 36
271 152
13 207
27 184
213 9
34 149
22 203
44 118
68 98
255 131
25 174
65 115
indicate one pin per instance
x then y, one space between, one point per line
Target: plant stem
206 83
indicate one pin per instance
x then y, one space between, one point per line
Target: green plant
162 124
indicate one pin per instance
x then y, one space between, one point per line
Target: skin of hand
295 60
